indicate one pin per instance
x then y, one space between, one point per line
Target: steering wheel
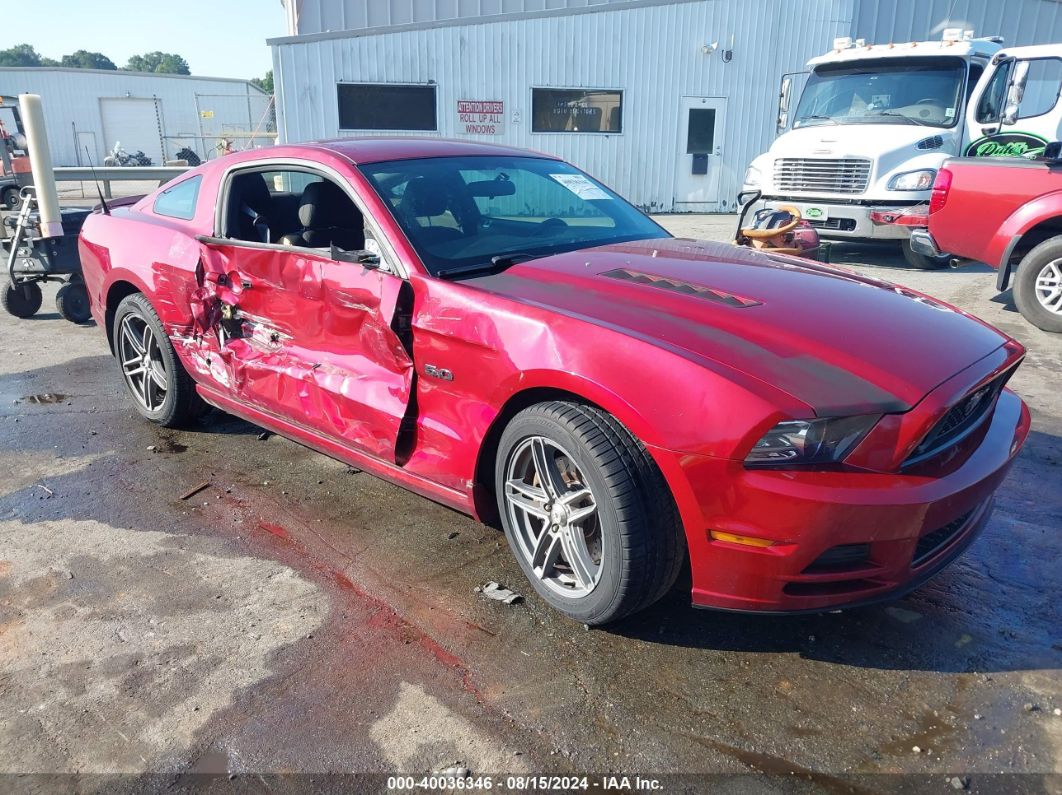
553 226
764 234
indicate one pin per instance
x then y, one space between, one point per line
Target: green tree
20 55
159 62
84 59
264 83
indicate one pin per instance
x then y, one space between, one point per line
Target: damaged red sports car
499 332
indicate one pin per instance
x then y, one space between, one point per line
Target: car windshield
474 212
925 91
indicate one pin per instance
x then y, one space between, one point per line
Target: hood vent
932 142
677 286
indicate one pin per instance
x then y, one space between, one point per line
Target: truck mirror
784 95
1015 92
1053 153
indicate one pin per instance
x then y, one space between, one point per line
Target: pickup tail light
941 186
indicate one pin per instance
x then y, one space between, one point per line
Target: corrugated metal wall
653 53
71 99
1019 22
317 16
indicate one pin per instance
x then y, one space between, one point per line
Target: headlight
914 180
824 441
752 178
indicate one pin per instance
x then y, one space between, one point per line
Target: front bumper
911 525
846 221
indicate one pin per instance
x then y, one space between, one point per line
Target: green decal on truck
1011 144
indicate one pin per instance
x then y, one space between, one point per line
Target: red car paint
1017 204
697 373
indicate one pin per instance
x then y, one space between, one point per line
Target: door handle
989 130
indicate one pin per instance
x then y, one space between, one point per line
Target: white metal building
88 110
665 100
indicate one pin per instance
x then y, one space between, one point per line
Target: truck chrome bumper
846 221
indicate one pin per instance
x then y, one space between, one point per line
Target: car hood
837 341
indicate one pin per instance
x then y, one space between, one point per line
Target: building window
382 106
179 201
576 110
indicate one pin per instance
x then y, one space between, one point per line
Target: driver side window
292 207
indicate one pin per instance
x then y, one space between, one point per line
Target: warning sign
480 117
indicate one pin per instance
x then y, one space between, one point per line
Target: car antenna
99 190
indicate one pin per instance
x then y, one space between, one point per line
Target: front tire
22 300
1038 286
921 261
586 512
161 389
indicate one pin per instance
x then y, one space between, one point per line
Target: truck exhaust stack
51 221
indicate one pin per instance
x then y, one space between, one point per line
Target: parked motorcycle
120 157
776 230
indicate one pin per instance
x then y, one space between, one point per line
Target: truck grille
820 175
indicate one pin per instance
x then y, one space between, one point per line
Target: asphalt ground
294 620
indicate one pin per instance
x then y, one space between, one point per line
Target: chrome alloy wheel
1049 287
142 363
554 517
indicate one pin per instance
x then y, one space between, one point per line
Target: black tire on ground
1045 259
21 300
11 198
72 303
643 545
181 404
921 261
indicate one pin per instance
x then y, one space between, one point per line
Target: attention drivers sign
480 117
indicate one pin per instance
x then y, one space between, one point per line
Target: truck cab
859 152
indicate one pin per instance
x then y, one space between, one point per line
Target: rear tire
161 389
22 300
632 543
921 261
72 303
1038 286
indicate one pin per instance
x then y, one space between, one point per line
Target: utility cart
32 259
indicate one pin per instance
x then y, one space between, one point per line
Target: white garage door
136 123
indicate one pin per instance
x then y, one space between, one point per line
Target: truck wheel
921 261
22 300
586 512
12 198
1038 286
161 389
72 302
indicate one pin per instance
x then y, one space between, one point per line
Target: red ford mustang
497 331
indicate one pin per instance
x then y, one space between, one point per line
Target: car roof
374 149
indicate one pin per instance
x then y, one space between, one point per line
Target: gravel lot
295 616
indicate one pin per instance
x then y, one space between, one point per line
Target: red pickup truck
1006 212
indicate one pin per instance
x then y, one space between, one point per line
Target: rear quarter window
180 200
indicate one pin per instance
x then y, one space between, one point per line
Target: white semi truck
859 153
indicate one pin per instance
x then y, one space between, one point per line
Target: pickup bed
1006 212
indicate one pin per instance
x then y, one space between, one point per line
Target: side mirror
784 95
366 259
1053 153
1016 92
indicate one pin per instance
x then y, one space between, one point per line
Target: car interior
293 208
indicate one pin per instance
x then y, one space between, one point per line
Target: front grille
820 175
960 420
930 543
